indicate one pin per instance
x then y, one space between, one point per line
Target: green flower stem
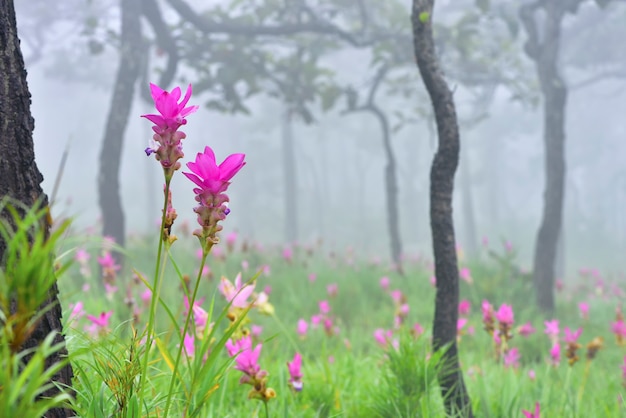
159 267
267 412
205 253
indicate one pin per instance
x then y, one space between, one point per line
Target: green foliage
407 386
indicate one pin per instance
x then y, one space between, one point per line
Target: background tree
442 173
20 178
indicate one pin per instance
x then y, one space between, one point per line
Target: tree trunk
20 178
117 119
545 53
391 189
291 180
444 166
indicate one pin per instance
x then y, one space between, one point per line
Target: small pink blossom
332 290
460 323
433 281
552 328
255 330
77 311
466 275
532 375
526 330
528 414
324 306
295 372
384 283
383 337
312 277
583 307
487 311
99 324
288 254
418 329
572 337
505 314
464 307
189 344
245 265
238 293
511 358
555 354
302 327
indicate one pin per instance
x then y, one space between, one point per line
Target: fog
339 157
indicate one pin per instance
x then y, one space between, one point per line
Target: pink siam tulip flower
382 337
536 414
245 265
555 354
464 307
466 275
552 328
189 344
266 270
559 285
418 329
532 375
316 320
109 290
324 306
526 329
238 293
172 114
255 330
583 307
99 324
82 256
460 323
572 337
146 296
295 372
433 281
231 240
288 254
511 358
302 327
505 314
397 296
77 311
107 262
487 311
312 277
212 181
619 329
384 283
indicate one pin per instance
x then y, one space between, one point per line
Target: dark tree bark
123 93
20 178
291 180
444 166
545 53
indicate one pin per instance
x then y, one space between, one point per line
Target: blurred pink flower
619 329
245 265
552 328
82 256
555 354
302 327
572 337
288 254
487 311
295 372
511 358
77 311
316 320
384 283
528 414
146 296
312 277
460 323
584 310
418 329
189 344
324 306
464 307
332 289
532 375
505 314
237 294
526 329
255 330
433 281
466 275
99 324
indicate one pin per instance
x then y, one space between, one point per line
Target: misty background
339 157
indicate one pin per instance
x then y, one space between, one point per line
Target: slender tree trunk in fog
391 190
469 220
20 178
444 166
545 53
290 179
121 102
